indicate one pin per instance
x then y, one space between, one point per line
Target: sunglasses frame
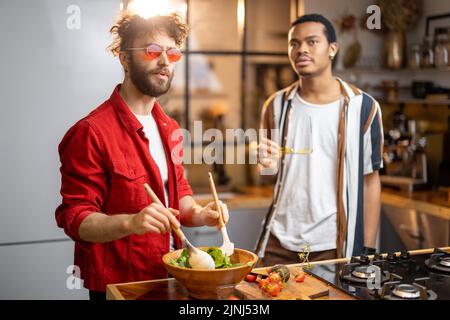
146 49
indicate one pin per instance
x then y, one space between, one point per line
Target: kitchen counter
171 289
434 203
247 197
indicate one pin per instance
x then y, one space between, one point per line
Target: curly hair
130 26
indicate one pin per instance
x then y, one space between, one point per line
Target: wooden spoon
227 246
198 259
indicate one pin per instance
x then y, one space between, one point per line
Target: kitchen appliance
392 276
420 89
404 155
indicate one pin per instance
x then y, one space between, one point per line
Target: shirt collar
127 118
346 91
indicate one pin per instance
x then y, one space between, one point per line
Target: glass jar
448 46
427 53
441 50
414 56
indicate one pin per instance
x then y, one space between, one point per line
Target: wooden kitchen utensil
198 259
227 246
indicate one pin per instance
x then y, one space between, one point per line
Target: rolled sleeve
373 144
83 178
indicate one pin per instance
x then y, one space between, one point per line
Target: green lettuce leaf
220 260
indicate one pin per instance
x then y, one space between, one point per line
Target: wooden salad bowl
206 284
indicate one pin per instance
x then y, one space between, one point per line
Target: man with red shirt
106 157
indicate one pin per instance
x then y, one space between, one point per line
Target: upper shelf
415 101
384 70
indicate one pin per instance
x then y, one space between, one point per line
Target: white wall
51 77
431 8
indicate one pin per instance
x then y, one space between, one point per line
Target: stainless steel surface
445 262
415 229
362 272
406 291
405 225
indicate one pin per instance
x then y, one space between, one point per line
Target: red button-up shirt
105 161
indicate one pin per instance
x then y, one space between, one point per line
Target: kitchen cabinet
39 271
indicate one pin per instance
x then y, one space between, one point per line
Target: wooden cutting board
311 288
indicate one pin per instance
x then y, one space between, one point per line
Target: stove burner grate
439 261
396 290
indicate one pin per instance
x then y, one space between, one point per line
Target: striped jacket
360 149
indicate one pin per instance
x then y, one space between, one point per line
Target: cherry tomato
301 277
274 277
250 278
273 289
261 282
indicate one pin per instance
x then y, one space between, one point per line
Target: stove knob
354 260
377 256
391 257
404 255
364 259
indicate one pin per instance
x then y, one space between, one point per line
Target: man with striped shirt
323 143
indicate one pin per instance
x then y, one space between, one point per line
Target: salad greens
183 260
221 261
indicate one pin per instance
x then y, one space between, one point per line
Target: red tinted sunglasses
153 51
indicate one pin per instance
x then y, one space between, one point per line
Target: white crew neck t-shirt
306 211
158 153
156 148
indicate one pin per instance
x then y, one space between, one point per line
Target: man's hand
268 154
154 218
210 215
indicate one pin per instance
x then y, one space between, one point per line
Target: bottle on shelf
414 56
427 53
441 54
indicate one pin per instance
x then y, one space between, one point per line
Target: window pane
215 102
215 90
268 23
213 25
265 76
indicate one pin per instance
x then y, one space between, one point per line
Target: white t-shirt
157 152
306 211
156 148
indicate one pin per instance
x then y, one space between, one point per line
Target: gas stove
393 276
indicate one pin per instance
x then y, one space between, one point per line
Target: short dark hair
330 32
